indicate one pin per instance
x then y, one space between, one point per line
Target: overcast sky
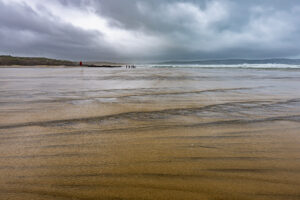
152 30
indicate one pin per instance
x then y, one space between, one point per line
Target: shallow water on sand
149 133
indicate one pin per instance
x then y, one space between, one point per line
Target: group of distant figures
130 66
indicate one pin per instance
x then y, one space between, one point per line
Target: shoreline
139 134
37 66
58 66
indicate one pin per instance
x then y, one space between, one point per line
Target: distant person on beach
130 67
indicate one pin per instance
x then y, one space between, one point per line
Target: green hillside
31 61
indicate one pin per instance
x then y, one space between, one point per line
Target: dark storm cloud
150 30
24 32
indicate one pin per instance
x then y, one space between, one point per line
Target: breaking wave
243 66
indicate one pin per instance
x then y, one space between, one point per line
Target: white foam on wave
246 66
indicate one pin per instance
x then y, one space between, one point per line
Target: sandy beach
149 133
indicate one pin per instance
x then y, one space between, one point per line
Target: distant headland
9 61
33 61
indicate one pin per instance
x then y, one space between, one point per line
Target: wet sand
160 133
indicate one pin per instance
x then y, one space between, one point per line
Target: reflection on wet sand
149 134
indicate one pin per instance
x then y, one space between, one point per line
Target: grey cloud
23 32
187 29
